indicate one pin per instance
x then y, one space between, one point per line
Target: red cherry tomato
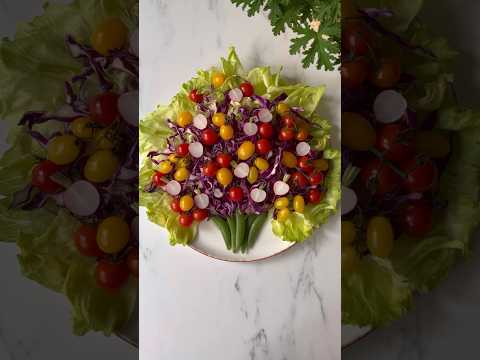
316 178
286 134
224 160
157 179
263 146
175 205
395 142
299 180
111 275
41 177
103 108
210 169
195 96
356 38
288 121
85 238
247 89
235 194
265 130
306 164
314 196
416 218
200 214
354 73
209 136
421 174
379 178
182 150
132 262
185 220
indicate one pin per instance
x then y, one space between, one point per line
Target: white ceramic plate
210 242
351 334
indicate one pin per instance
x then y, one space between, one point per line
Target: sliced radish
218 193
265 116
200 121
81 198
201 201
235 95
280 188
349 200
241 170
389 106
196 149
173 187
302 148
258 195
250 129
134 42
128 107
134 228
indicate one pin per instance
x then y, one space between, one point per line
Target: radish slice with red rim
258 195
302 148
218 193
235 95
281 188
349 200
241 170
128 107
81 198
250 129
196 149
200 121
265 116
173 187
389 106
201 201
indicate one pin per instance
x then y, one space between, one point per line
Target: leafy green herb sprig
316 24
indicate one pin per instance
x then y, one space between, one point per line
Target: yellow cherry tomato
261 164
109 35
186 203
172 158
113 234
104 139
218 79
63 149
82 127
289 160
283 214
165 167
320 164
283 108
299 204
252 175
281 203
218 119
380 236
348 232
184 118
183 162
181 174
100 166
224 176
226 132
246 150
350 258
357 133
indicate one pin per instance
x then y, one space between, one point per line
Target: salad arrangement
410 162
71 172
233 145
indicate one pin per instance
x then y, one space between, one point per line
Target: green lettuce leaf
296 228
374 294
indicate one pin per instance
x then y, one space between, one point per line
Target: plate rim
363 336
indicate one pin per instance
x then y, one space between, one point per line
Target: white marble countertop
196 308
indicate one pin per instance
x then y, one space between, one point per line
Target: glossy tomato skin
266 130
247 89
263 146
157 179
103 108
195 96
132 262
209 137
314 196
416 218
182 150
111 275
175 205
299 180
354 73
185 220
200 214
41 177
421 174
379 178
356 38
396 144
316 178
85 238
210 169
235 194
288 121
305 164
224 160
286 134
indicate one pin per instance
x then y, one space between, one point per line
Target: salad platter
410 164
71 171
239 166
